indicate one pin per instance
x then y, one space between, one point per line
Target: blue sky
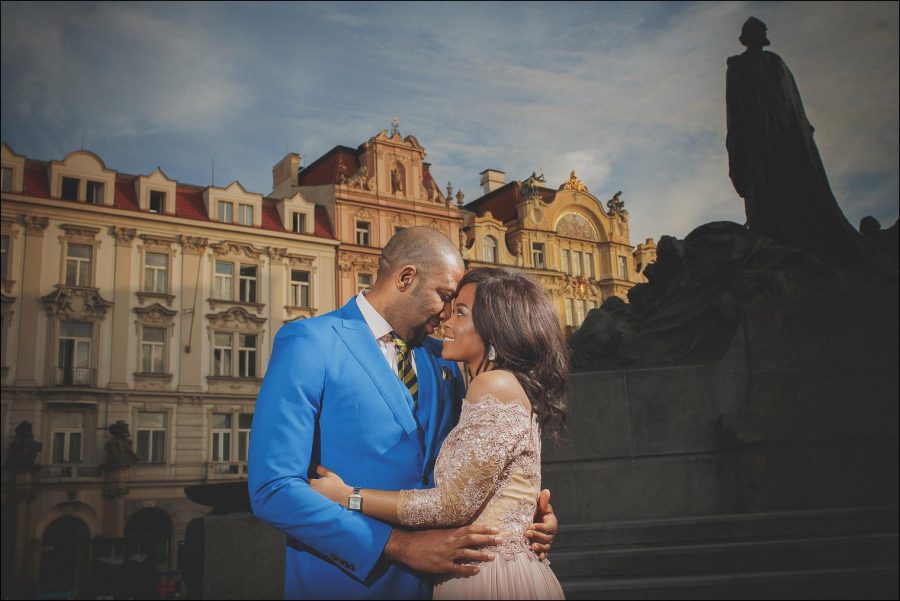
631 95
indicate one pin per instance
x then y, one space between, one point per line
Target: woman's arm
379 504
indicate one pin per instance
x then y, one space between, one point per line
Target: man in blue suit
332 396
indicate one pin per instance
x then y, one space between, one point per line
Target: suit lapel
362 345
429 386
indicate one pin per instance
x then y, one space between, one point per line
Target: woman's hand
331 486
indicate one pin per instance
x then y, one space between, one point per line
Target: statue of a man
24 449
773 161
119 450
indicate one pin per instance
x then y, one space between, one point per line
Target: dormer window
70 187
157 201
226 212
299 223
94 193
245 214
7 179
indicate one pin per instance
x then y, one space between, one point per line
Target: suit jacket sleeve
281 444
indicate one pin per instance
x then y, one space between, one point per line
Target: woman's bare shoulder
499 384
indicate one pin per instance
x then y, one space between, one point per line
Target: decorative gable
234 196
83 177
156 191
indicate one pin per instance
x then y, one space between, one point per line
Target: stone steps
831 553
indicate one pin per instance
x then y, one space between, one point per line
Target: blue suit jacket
330 398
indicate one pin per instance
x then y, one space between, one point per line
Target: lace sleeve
490 434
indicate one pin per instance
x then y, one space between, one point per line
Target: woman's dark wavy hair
513 314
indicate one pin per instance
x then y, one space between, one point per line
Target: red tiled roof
188 199
126 195
189 203
502 201
35 181
324 170
323 225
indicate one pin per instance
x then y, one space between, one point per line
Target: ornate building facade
143 300
580 253
370 193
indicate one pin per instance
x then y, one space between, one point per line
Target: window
247 355
223 433
589 260
95 193
398 228
7 179
362 233
490 249
299 225
222 354
570 310
226 212
4 257
156 267
224 280
151 437
74 358
363 282
299 288
537 253
245 420
153 348
157 201
70 187
566 265
78 264
623 268
221 437
67 432
247 283
245 214
580 308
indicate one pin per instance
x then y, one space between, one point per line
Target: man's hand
435 551
542 532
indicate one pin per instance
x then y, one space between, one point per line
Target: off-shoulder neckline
487 397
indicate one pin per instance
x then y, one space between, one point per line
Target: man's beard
417 334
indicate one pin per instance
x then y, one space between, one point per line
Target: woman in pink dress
488 471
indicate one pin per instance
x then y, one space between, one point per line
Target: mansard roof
502 201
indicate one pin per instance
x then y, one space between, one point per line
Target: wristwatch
355 501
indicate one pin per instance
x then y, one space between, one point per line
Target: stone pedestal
115 487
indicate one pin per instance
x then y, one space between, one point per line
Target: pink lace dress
488 472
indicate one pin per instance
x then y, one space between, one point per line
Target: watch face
355 502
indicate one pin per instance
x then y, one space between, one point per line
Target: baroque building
580 252
140 299
369 193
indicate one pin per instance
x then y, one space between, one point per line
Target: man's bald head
429 251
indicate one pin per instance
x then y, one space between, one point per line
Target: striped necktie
405 368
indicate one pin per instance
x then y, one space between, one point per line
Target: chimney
491 179
286 171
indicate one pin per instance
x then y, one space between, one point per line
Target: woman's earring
492 354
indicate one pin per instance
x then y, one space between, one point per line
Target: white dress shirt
380 329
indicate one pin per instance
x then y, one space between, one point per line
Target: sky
631 96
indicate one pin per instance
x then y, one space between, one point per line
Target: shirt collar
377 324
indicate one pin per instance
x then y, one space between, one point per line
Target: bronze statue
119 450
774 163
24 449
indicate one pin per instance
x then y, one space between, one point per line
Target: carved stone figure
774 163
396 180
119 450
360 180
24 449
530 186
615 204
573 183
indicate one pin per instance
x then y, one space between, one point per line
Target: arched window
151 525
64 556
490 249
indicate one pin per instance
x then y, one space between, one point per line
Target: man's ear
406 276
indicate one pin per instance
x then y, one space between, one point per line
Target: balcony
226 470
75 376
70 470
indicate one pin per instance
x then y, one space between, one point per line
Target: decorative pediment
76 303
364 215
301 261
276 254
123 235
193 244
79 233
235 248
153 241
401 219
236 318
573 183
155 314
